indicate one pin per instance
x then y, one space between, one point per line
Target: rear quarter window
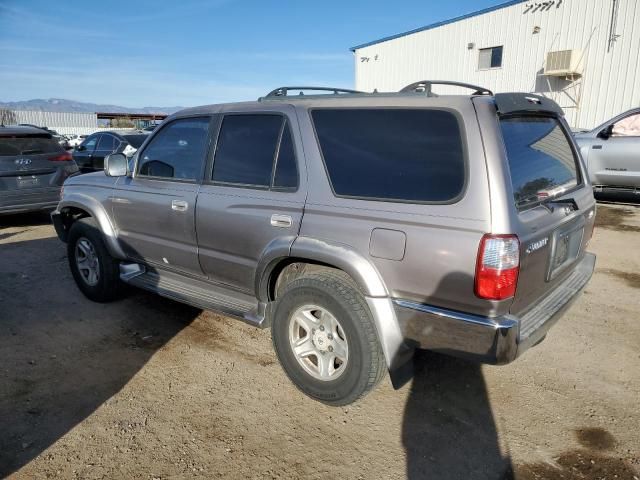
405 155
542 163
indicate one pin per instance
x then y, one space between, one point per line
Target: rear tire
95 271
325 338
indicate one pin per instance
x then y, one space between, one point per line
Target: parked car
33 167
89 155
359 227
612 152
62 141
76 140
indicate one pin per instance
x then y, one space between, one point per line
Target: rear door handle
179 205
597 147
281 221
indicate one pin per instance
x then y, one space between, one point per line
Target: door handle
597 147
281 221
179 205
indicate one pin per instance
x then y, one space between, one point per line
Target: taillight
63 157
497 267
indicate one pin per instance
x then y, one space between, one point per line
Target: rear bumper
29 200
497 340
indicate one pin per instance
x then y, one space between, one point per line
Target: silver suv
358 226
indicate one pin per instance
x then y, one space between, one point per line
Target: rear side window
255 151
28 145
408 155
135 140
541 160
286 174
177 151
107 143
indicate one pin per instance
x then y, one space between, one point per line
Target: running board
197 293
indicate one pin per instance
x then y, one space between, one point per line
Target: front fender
98 212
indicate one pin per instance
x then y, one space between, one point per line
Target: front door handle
597 147
179 205
281 221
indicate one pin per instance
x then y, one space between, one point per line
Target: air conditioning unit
563 63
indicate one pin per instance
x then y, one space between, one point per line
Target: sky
139 53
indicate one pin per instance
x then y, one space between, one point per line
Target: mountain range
63 105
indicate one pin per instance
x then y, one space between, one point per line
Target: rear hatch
30 160
554 203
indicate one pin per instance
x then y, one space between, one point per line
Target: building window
490 58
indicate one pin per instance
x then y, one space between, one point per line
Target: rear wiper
561 201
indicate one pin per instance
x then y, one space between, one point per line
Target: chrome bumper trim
485 339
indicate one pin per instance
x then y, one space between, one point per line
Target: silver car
358 226
33 167
612 152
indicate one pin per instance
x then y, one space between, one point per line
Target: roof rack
424 86
284 91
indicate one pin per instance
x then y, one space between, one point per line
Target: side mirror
116 165
81 148
606 133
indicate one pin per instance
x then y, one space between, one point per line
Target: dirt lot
149 388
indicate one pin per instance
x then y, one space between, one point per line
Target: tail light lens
497 267
63 157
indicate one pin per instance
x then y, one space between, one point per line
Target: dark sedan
89 155
33 167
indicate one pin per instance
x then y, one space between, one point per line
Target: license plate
562 250
566 248
28 182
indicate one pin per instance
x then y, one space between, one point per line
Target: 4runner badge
537 245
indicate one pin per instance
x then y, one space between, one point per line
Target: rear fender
397 353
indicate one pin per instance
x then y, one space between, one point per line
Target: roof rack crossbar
284 91
425 86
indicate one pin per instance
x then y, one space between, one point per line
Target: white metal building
62 122
585 54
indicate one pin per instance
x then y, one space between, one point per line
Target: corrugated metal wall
609 85
62 122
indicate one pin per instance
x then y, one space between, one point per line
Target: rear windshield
135 140
407 155
541 161
28 145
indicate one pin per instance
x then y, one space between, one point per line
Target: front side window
177 151
541 161
490 58
90 143
627 127
407 155
255 150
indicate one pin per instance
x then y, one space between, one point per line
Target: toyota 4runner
358 226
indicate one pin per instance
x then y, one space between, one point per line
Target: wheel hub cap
87 261
318 342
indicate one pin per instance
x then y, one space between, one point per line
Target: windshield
28 145
541 160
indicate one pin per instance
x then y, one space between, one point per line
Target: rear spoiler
507 103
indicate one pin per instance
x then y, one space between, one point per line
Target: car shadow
61 355
448 430
17 223
618 197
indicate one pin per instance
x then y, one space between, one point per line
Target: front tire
325 339
95 271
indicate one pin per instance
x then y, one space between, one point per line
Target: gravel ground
149 388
